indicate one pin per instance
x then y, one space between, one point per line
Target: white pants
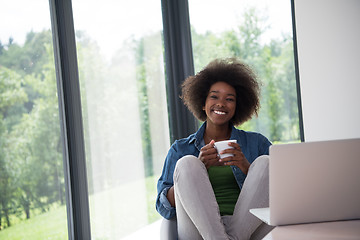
198 215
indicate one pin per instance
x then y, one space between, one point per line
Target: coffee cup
222 145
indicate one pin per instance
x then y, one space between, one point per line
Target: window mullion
179 65
71 119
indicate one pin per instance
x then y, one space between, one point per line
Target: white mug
221 146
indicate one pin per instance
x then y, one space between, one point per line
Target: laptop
313 182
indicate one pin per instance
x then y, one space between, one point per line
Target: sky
110 22
16 21
221 14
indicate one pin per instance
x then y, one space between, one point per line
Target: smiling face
220 104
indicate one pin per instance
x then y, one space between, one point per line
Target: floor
151 231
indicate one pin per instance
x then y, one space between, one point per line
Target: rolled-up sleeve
163 205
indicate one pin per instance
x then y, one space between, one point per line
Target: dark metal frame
71 119
179 65
297 75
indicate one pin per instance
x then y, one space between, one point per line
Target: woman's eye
213 97
230 99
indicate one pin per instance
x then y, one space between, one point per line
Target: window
125 116
260 34
121 70
32 192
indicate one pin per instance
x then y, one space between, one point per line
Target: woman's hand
209 156
238 159
171 196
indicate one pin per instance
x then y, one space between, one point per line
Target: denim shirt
252 145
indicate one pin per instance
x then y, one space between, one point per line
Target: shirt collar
199 136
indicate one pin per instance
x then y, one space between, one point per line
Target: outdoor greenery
31 173
49 225
31 169
53 223
273 61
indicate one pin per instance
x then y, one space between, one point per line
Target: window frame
297 74
179 65
70 113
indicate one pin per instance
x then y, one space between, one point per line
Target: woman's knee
260 164
188 164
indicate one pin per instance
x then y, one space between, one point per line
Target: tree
273 63
32 156
209 46
42 125
30 57
11 94
141 60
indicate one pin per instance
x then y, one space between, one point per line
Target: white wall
328 38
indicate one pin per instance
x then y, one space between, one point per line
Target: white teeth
218 112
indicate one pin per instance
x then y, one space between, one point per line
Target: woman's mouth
219 112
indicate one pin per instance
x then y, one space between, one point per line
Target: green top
225 188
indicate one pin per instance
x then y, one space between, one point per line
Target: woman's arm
163 204
171 196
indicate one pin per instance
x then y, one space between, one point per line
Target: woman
209 196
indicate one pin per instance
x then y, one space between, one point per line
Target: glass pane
32 193
121 69
258 32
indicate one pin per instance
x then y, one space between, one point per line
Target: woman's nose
220 103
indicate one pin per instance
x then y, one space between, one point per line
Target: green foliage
53 223
141 77
31 173
31 159
11 92
11 96
49 225
273 62
29 58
